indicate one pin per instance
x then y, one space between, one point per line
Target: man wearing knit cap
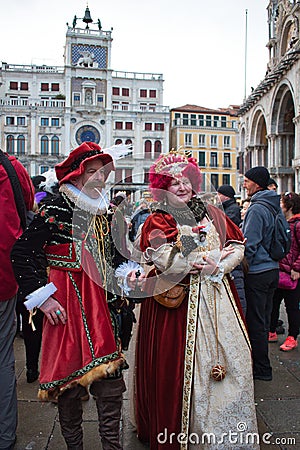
262 278
226 194
81 334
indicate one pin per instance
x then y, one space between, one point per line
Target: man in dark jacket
226 194
262 278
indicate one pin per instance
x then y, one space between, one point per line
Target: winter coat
232 210
10 224
292 260
258 227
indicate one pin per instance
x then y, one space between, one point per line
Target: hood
267 196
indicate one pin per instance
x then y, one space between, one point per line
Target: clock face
87 133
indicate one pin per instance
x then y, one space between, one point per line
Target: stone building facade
47 111
269 117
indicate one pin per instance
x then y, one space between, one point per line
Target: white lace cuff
38 297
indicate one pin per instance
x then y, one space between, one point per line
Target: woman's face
179 192
244 209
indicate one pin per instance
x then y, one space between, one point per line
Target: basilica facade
269 117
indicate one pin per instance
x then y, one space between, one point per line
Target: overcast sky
198 45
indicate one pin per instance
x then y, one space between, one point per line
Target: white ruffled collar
82 201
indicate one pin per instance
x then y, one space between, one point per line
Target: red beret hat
74 165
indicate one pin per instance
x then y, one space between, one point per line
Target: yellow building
211 137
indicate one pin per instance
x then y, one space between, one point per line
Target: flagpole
246 44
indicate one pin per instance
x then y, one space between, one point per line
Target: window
152 107
202 140
125 106
54 145
143 106
125 92
115 105
119 125
13 85
216 121
223 122
201 120
44 121
44 169
55 122
152 93
148 149
128 125
118 141
157 149
116 91
23 86
10 144
44 86
201 159
128 176
129 142
213 140
233 124
100 99
214 159
55 87
148 126
214 179
227 160
185 119
76 98
118 176
44 145
208 121
226 141
143 92
177 119
21 121
193 120
20 145
146 176
188 139
159 127
10 120
226 179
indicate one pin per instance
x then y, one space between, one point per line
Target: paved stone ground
278 409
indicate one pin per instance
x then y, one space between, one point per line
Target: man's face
92 181
251 187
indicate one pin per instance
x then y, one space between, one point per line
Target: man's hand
54 312
133 281
295 275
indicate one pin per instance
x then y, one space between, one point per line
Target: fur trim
97 373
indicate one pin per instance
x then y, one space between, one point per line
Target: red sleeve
157 230
25 181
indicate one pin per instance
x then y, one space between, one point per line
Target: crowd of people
200 274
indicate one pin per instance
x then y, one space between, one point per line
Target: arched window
129 142
21 145
54 145
157 149
44 145
10 144
118 141
148 149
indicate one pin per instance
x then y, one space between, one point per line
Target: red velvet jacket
10 225
292 259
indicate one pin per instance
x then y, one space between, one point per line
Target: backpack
281 237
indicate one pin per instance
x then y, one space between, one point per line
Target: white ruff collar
82 201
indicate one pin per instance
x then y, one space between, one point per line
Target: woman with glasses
289 267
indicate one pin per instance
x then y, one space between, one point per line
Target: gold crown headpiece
173 162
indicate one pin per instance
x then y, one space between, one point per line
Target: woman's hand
227 251
209 267
295 275
53 311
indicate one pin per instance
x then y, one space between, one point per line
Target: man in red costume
81 344
11 229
